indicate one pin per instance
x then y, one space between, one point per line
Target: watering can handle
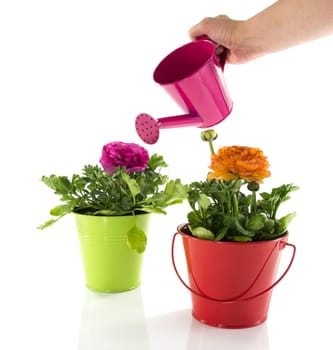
238 298
219 59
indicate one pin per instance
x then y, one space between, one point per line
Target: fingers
204 29
199 29
227 35
219 50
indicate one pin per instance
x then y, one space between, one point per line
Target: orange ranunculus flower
239 162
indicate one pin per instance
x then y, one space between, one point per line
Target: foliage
119 192
225 206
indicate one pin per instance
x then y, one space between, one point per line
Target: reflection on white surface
179 330
205 337
113 321
170 330
117 321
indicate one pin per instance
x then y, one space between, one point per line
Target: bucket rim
110 217
283 237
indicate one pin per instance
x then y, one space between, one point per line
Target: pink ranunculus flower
122 154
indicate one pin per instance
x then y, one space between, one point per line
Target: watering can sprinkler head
149 129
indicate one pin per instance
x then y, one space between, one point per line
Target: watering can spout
148 128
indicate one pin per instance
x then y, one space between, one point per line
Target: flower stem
211 147
235 204
254 203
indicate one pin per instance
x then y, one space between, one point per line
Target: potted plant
112 204
233 238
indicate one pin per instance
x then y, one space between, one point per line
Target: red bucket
231 282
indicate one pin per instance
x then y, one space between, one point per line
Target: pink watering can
190 76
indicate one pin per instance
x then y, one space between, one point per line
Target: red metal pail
231 282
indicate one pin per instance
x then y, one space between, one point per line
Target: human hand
227 35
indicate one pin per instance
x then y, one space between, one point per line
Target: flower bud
208 135
253 186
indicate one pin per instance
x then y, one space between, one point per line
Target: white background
73 76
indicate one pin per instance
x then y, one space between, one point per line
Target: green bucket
109 264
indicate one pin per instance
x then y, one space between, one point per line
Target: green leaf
60 184
234 223
174 192
221 234
153 210
195 219
61 210
203 202
269 225
285 221
256 223
47 224
156 161
137 239
240 238
203 233
132 185
109 212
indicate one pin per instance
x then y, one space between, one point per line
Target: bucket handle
236 298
